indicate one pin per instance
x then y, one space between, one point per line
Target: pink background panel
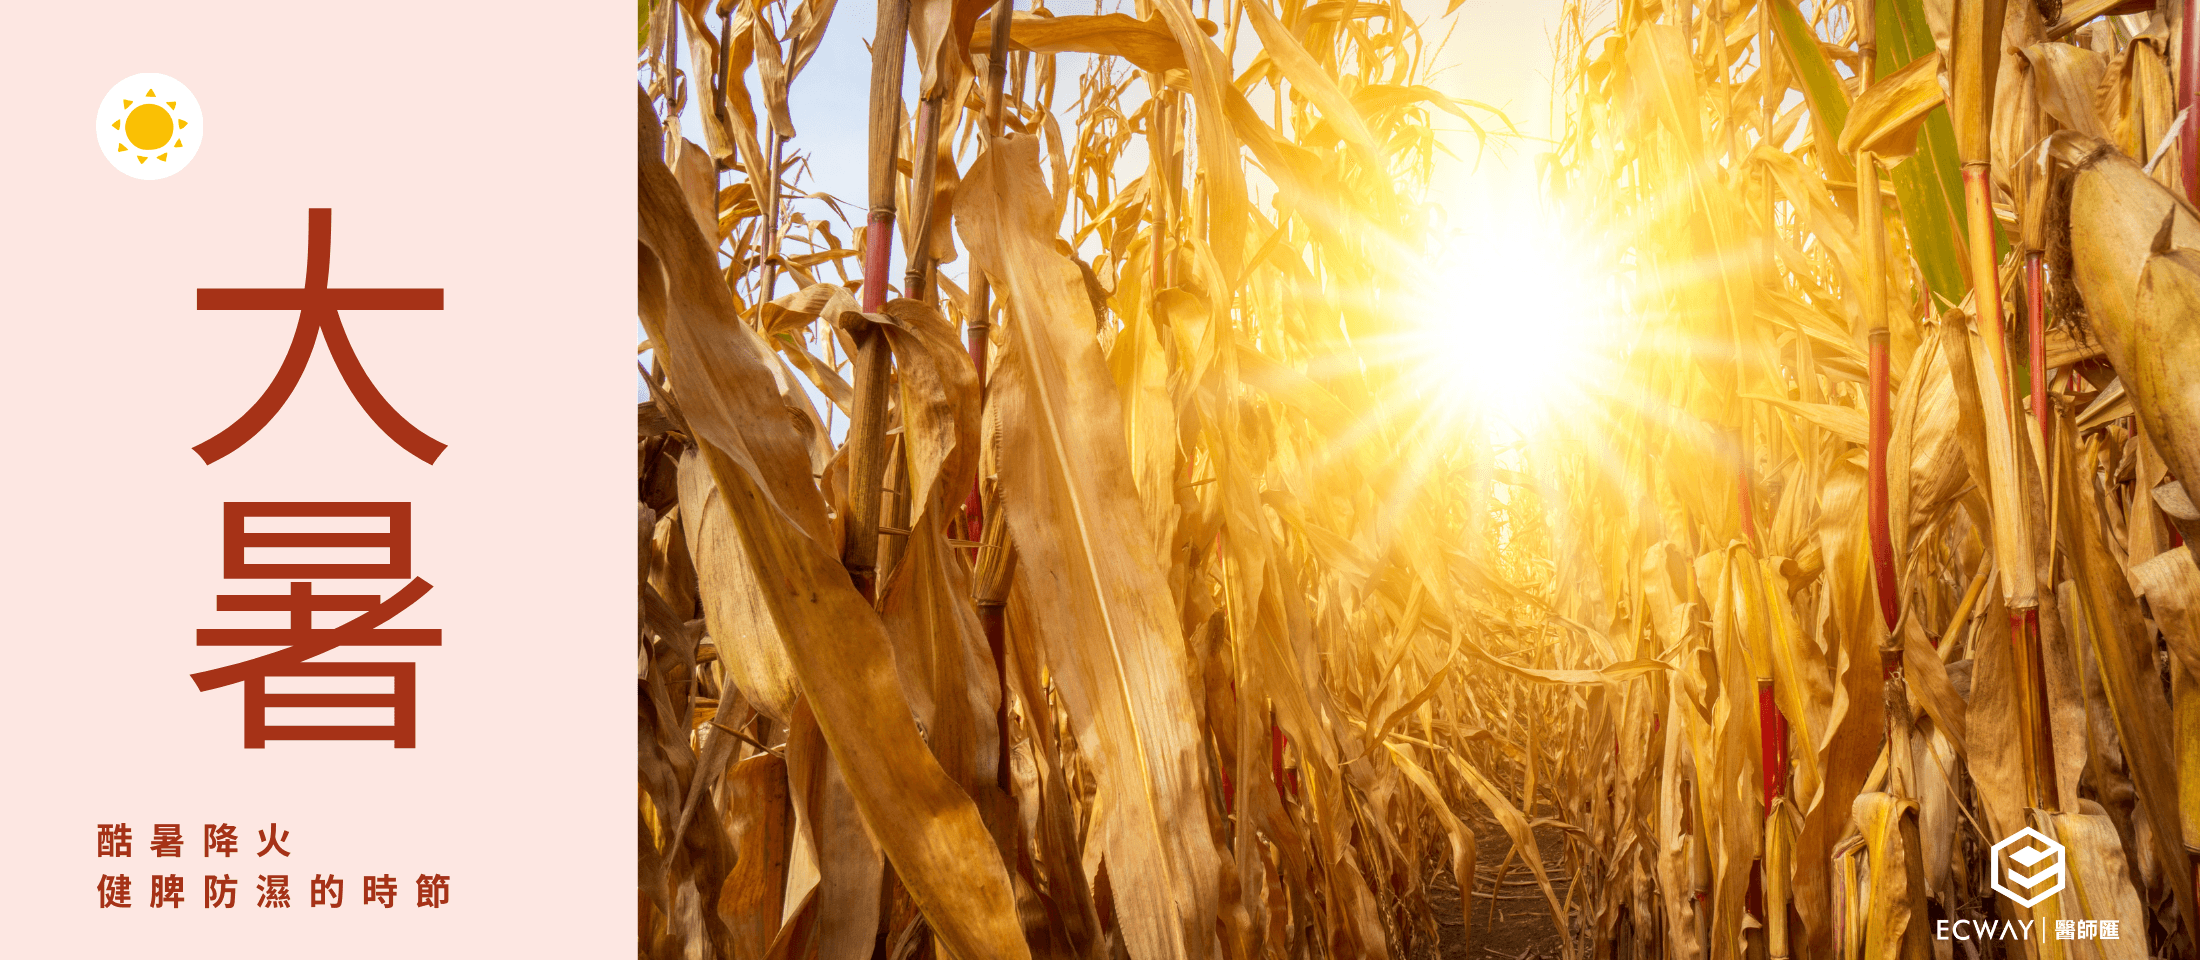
483 149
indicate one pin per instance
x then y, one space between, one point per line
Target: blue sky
1499 52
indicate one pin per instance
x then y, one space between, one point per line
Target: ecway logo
2021 865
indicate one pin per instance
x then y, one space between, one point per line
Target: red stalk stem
866 442
1883 572
888 47
878 258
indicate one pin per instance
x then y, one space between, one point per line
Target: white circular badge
150 126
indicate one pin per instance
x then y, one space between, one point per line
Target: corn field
1071 552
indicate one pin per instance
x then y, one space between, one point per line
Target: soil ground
1520 927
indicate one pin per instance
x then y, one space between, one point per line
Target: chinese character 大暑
114 891
114 839
319 318
167 840
272 841
301 640
383 888
167 890
327 891
221 892
220 839
274 890
435 890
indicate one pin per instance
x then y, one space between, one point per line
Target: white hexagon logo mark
2021 865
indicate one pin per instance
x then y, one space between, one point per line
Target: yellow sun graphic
149 126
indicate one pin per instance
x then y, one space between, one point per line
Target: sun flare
1510 324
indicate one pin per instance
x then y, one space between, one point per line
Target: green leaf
1829 101
1929 185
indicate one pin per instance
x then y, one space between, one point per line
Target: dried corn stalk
1192 623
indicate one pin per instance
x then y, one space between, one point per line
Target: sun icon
150 126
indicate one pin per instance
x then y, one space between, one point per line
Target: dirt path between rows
1520 926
